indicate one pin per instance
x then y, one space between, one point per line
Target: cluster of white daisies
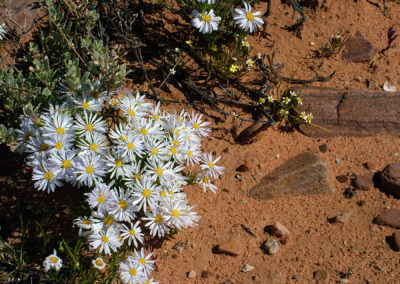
132 162
207 22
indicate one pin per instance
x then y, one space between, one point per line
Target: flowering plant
131 155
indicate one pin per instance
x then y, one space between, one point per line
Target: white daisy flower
134 173
157 222
23 135
121 206
205 182
57 123
96 94
87 103
133 234
52 261
247 20
198 125
210 167
192 155
94 144
175 214
116 165
100 197
205 22
99 263
83 223
144 261
47 177
145 193
89 169
149 130
106 242
309 118
104 221
286 100
157 150
303 115
65 161
3 31
131 148
270 99
88 123
210 2
131 272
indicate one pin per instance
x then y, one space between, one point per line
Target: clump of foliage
333 46
67 52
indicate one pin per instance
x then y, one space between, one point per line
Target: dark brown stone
304 174
370 165
320 275
342 178
358 49
364 182
390 179
323 148
396 241
390 218
244 167
350 112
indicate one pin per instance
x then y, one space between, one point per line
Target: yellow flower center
156 116
130 146
99 262
101 199
177 131
44 147
118 163
66 164
48 175
132 271
138 177
54 259
196 125
144 131
89 127
123 204
146 192
189 153
123 139
93 147
159 219
176 143
86 105
205 180
250 17
27 135
60 131
95 94
142 260
173 150
86 222
104 239
154 152
121 95
210 164
108 220
175 213
89 170
206 18
159 171
131 112
132 232
59 145
163 194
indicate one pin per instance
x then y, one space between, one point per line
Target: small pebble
311 43
370 165
320 275
342 178
191 274
277 156
323 148
337 161
271 246
247 268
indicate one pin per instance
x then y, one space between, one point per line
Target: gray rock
247 268
390 218
271 246
390 179
192 274
305 174
358 49
342 218
364 182
350 112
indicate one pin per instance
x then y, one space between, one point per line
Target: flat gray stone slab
358 49
305 174
350 112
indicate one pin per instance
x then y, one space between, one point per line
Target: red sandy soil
314 244
358 246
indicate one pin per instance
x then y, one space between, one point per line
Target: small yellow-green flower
189 43
309 118
261 100
249 62
233 68
245 43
